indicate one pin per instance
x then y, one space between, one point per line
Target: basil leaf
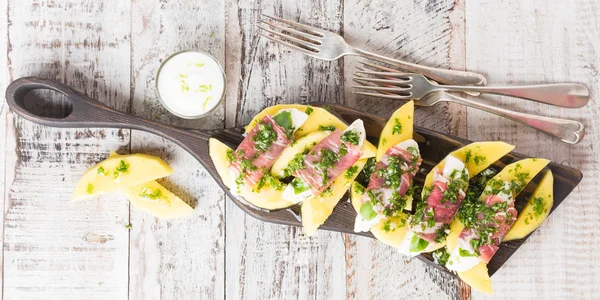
284 119
367 212
417 244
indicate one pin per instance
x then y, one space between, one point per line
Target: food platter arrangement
462 206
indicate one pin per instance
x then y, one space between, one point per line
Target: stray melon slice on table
156 200
119 172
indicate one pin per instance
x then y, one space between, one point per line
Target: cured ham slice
318 177
408 167
504 217
254 161
447 193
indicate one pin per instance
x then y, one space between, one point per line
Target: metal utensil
327 45
416 86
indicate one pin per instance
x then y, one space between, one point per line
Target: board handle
86 112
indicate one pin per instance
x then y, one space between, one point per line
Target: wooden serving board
434 146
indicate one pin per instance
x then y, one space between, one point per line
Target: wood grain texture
428 32
266 261
182 258
525 42
55 249
3 127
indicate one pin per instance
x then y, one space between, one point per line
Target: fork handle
440 75
570 95
569 131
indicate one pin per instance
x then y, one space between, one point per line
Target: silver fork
406 86
327 45
568 131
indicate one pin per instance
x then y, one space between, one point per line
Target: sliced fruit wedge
268 197
156 200
316 210
398 128
119 172
535 211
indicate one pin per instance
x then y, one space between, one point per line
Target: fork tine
400 76
305 35
378 67
384 81
310 29
389 96
292 39
358 80
384 89
278 41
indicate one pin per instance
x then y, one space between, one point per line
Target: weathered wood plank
266 261
182 258
55 249
532 42
427 32
3 124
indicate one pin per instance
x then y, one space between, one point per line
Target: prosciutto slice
261 160
314 176
440 209
377 182
503 221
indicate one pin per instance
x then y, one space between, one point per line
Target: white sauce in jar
190 84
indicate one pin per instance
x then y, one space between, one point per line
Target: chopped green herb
212 34
468 155
128 226
184 86
479 160
90 188
343 150
328 108
199 65
359 188
102 172
297 163
264 137
326 128
267 180
350 137
181 75
538 204
397 129
121 169
383 141
309 110
441 256
351 172
328 159
364 176
150 195
230 155
203 88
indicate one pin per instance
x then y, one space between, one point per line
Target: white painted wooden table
110 50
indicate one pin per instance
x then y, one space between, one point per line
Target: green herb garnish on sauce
417 244
208 99
367 212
